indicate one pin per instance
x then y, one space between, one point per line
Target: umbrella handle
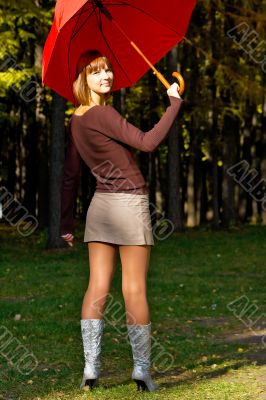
181 82
177 75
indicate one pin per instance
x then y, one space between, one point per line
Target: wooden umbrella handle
177 75
181 82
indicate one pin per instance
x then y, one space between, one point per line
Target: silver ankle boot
140 341
91 330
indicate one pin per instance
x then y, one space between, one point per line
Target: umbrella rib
73 34
99 20
69 46
83 23
144 12
79 13
107 44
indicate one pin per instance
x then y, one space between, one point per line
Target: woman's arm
109 122
69 190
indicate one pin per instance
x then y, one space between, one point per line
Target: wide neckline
82 115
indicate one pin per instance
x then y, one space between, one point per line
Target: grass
206 351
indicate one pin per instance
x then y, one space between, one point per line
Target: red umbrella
115 28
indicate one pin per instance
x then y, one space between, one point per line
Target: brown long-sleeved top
102 138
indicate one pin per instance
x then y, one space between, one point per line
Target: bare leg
135 264
102 259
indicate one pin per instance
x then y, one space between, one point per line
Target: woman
118 217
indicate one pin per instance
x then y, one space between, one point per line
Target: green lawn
207 352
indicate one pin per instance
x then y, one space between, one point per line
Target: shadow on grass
52 278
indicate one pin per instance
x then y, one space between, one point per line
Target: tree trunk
263 160
214 127
32 165
204 194
174 199
42 129
56 170
191 218
12 154
245 200
231 134
231 126
43 175
119 100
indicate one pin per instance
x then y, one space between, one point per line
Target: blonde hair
81 90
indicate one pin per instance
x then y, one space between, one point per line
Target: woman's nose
104 74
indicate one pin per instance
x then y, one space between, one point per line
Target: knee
131 292
99 290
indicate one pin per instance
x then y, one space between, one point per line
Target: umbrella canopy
109 26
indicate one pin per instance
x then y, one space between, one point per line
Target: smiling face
94 82
101 80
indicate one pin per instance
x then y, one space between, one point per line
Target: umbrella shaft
157 73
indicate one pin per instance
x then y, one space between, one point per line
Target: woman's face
101 81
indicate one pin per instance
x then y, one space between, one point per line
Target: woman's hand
68 237
173 90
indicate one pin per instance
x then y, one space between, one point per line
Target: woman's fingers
68 238
173 90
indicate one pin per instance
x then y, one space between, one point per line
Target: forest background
211 169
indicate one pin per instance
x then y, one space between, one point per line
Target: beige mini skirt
119 218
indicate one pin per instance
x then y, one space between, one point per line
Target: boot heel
89 384
140 340
141 386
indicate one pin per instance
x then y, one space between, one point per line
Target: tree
174 195
56 170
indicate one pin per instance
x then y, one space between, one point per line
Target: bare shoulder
81 110
110 112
